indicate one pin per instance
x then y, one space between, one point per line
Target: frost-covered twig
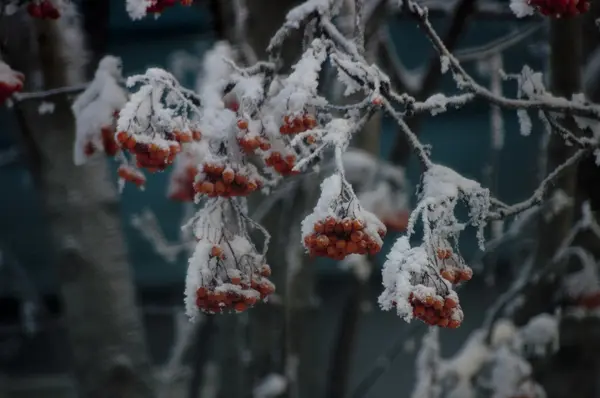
542 190
147 224
465 81
496 46
46 94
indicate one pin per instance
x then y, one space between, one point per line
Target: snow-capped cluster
96 111
138 9
44 9
414 285
339 226
11 81
552 8
419 281
226 271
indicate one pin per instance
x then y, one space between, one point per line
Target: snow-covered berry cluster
226 271
11 81
551 8
415 287
339 226
43 9
138 9
226 180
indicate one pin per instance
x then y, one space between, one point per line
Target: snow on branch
244 130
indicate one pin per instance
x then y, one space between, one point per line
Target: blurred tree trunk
81 204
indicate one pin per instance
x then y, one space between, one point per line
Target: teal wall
459 139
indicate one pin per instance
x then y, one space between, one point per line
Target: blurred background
226 357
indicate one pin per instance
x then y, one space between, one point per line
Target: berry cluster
561 8
251 143
436 310
218 180
109 144
183 137
450 269
153 156
297 124
284 165
131 175
158 6
337 238
589 301
43 9
11 83
242 291
181 186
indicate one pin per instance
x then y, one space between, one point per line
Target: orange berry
219 187
466 274
236 280
228 176
448 275
357 225
322 241
216 251
450 302
207 187
242 124
319 227
265 270
453 324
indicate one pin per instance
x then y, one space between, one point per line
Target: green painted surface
459 139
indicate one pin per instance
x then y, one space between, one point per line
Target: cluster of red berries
150 156
109 144
43 9
456 275
182 183
218 180
297 124
241 293
9 88
561 8
589 301
338 238
131 175
284 165
436 310
250 144
397 222
158 6
183 137
452 273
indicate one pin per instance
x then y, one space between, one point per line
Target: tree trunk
81 204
